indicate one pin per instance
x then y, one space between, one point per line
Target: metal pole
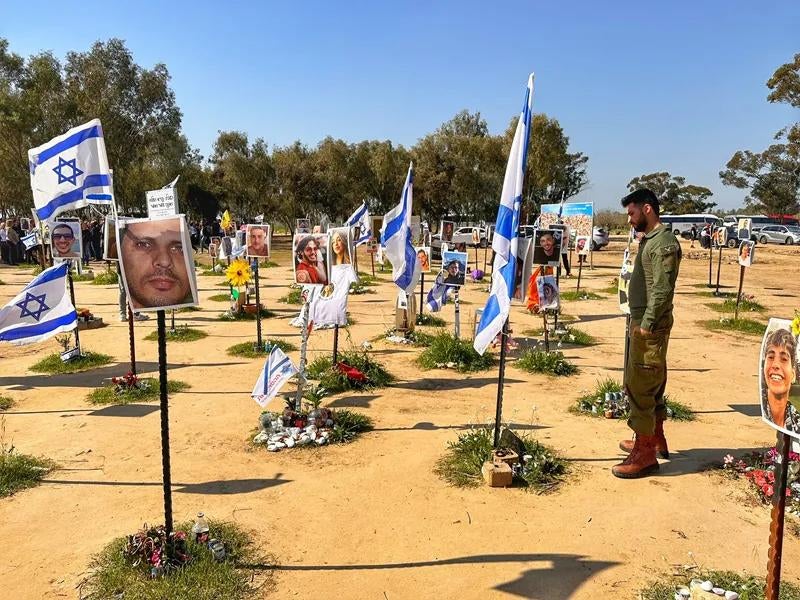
301 375
372 261
580 268
162 377
558 285
485 254
719 266
335 345
458 314
172 326
546 334
776 523
739 294
710 260
72 298
498 415
421 295
131 339
259 342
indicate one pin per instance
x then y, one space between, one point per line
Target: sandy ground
370 519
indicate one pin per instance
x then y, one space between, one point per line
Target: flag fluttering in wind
396 239
226 221
41 310
437 295
278 369
506 230
70 171
361 218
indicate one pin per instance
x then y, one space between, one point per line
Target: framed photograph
523 268
424 258
155 257
476 237
303 226
583 245
746 249
258 240
547 247
490 233
25 224
110 239
778 387
65 239
213 249
565 236
454 265
548 292
578 215
340 243
226 247
720 237
744 228
447 229
310 251
376 224
216 240
416 230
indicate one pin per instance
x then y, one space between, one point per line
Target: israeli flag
41 310
505 236
396 239
278 368
70 171
437 295
361 218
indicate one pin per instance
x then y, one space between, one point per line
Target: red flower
768 490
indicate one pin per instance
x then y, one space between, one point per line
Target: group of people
12 250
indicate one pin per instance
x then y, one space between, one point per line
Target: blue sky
676 87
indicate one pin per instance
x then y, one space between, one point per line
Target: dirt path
371 520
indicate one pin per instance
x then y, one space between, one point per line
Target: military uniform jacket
652 286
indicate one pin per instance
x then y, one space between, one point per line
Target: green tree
772 177
675 196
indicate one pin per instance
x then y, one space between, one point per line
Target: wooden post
580 268
458 314
546 333
421 295
710 260
498 414
777 520
131 339
335 345
165 464
301 375
72 298
259 342
719 266
739 294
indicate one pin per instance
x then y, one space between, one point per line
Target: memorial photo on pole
341 246
65 239
454 265
523 268
447 229
548 292
583 245
424 259
310 258
110 239
156 262
303 226
778 387
744 229
258 240
547 247
746 249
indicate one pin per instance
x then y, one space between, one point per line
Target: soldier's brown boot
641 461
661 441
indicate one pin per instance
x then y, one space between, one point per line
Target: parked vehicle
463 235
684 223
779 234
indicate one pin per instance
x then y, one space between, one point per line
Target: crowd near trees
459 167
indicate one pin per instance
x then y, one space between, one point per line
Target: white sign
70 354
162 203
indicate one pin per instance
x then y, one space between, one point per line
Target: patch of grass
182 333
572 336
729 306
189 309
613 287
241 576
461 465
85 276
348 425
724 295
335 381
267 264
21 471
429 320
148 392
292 297
52 363
106 278
571 296
220 298
6 403
211 273
749 587
247 349
244 316
676 411
740 325
550 363
36 269
447 351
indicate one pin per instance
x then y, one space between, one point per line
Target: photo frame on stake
310 251
744 229
547 247
746 250
549 297
110 239
583 245
258 240
66 240
523 269
447 229
340 245
157 268
226 247
303 226
779 391
423 258
454 264
416 230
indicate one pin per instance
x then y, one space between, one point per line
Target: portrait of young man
310 259
454 264
423 257
65 239
547 247
257 240
155 258
303 226
778 377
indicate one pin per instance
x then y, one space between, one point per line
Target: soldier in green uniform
650 295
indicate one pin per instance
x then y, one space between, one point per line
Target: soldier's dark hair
641 197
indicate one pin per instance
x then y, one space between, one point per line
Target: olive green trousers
646 377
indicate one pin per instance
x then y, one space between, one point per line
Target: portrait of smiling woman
156 266
778 375
340 246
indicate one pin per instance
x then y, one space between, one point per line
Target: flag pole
738 295
72 298
301 375
777 519
335 345
498 415
458 314
131 339
165 464
719 267
421 295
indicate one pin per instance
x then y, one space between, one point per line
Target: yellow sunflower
796 324
238 273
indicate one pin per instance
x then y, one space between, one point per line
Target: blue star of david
27 312
73 179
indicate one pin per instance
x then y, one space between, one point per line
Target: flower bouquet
238 275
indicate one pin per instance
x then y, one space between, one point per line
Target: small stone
706 586
329 423
290 443
280 445
730 595
321 441
261 437
718 591
683 593
272 447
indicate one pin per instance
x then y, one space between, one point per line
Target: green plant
613 287
582 295
54 365
461 465
248 349
212 273
36 269
451 352
220 298
552 363
334 380
429 320
595 404
569 335
241 576
6 402
740 325
292 297
19 471
85 276
749 587
746 304
147 391
267 264
245 316
107 278
347 425
182 333
189 309
314 395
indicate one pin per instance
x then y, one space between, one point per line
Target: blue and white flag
437 295
278 368
41 310
70 171
505 236
396 239
360 218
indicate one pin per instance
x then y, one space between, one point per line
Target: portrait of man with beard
156 266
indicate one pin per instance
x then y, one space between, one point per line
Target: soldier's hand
641 332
